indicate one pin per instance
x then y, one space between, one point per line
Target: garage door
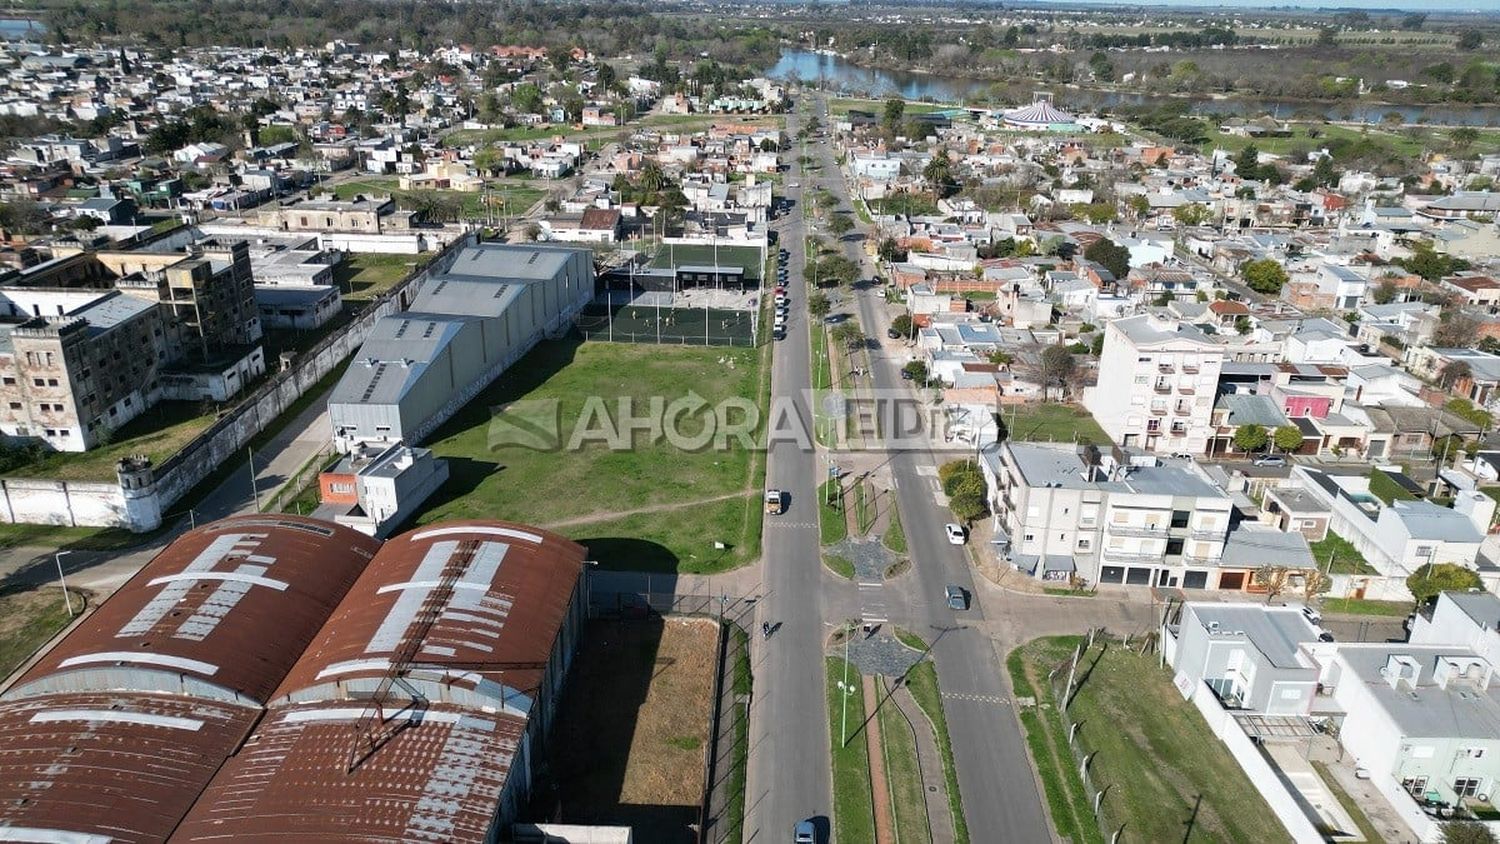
1138 577
1112 574
1195 580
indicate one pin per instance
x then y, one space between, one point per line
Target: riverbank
841 73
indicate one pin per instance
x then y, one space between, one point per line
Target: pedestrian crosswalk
971 697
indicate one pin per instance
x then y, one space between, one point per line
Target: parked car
958 599
955 533
1270 460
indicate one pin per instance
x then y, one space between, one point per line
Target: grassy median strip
28 619
853 806
903 772
831 525
922 681
895 535
839 565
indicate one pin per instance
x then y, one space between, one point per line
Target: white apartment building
1157 379
1061 512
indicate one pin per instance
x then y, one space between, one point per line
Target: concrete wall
1265 779
140 508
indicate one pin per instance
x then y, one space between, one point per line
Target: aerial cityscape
840 422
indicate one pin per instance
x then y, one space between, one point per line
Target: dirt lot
633 727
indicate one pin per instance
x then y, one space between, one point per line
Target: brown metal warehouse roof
437 781
440 776
506 606
222 612
124 767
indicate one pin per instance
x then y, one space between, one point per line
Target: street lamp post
67 599
846 690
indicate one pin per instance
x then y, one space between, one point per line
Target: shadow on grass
625 553
596 727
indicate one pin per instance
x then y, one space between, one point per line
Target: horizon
1483 7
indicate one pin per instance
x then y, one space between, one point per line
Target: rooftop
221 613
1460 711
1274 631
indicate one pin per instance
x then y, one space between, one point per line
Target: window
8 381
1029 537
1424 550
1180 518
1466 786
1085 544
52 382
37 382
15 405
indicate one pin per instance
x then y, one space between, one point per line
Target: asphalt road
790 777
1001 802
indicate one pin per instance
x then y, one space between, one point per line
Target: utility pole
254 490
67 599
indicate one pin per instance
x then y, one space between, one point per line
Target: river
21 29
837 73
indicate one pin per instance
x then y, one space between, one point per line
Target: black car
893 334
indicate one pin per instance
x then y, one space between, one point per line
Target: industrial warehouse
282 678
471 321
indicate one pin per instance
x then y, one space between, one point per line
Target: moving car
958 599
955 533
773 502
803 833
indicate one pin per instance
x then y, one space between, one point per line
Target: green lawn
158 433
365 275
922 681
832 526
679 122
842 105
913 204
1155 754
853 808
1051 422
27 620
1352 606
1346 558
903 774
1384 487
734 813
581 479
895 535
506 196
71 538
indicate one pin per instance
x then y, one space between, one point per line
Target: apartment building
1157 379
71 378
90 340
1061 513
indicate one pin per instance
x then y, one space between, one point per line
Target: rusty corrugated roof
222 612
125 767
506 607
439 780
439 769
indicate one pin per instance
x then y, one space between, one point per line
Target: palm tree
939 170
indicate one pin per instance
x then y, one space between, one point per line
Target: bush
1431 580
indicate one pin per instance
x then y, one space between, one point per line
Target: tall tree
1110 255
1251 437
1265 275
1433 579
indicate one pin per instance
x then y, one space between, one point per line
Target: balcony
1166 368
1183 410
1133 530
1179 432
1162 387
1158 411
1130 557
1190 369
1187 389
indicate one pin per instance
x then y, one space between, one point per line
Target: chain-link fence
674 326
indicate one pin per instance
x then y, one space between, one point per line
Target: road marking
870 584
927 471
976 698
794 525
942 500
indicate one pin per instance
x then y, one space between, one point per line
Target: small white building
375 491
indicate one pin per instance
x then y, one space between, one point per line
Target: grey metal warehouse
491 305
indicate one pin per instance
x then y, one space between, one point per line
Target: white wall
1283 804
